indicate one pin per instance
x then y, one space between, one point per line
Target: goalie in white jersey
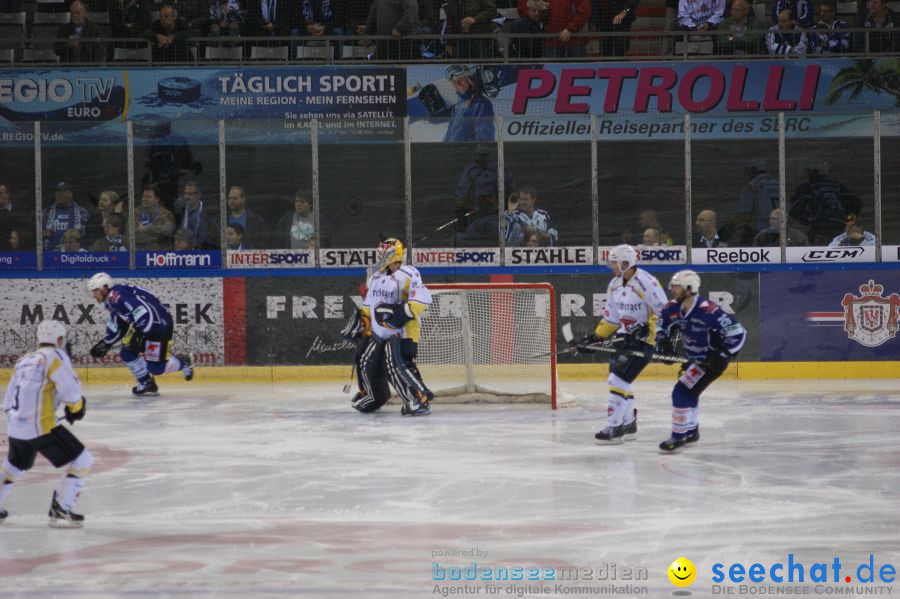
387 327
42 382
634 300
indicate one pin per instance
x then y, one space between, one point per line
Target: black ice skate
187 366
60 518
3 515
148 389
611 435
416 408
693 436
631 429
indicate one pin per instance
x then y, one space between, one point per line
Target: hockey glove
100 349
74 416
637 334
665 345
354 327
134 340
393 316
714 362
583 344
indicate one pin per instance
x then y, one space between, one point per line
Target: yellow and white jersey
405 285
42 381
637 302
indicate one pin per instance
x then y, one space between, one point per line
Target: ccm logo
830 255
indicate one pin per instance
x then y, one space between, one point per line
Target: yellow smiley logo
682 572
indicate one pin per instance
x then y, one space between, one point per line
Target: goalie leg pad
374 390
411 389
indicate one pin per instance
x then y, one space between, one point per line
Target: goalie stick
606 348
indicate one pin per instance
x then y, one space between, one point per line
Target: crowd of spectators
797 27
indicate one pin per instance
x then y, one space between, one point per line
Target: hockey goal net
478 341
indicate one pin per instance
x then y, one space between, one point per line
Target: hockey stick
349 384
445 225
604 347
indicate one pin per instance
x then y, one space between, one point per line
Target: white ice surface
284 491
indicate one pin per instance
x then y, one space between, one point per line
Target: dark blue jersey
705 330
134 306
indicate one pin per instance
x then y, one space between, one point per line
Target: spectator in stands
741 33
168 36
613 16
532 24
297 229
652 236
880 17
822 204
801 12
533 240
786 38
523 219
757 197
700 15
71 242
833 36
107 203
564 18
130 18
472 17
112 240
429 24
76 34
853 235
319 20
225 18
21 239
62 215
472 118
191 214
13 215
254 227
234 237
708 234
183 241
153 223
771 235
395 18
648 219
351 16
274 17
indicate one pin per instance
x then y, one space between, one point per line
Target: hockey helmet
390 250
686 279
99 280
49 332
622 253
754 167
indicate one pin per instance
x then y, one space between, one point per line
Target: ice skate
60 518
416 408
631 429
3 515
611 435
693 436
187 366
148 389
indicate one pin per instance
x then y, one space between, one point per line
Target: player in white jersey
43 381
387 327
634 299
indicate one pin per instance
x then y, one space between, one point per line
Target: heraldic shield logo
871 319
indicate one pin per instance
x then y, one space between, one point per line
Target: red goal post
478 339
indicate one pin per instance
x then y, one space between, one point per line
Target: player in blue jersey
144 326
710 338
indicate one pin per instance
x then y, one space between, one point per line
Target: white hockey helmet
687 279
99 280
49 331
623 253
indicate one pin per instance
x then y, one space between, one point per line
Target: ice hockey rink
284 491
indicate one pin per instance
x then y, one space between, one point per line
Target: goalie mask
390 250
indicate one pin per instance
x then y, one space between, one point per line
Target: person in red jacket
564 18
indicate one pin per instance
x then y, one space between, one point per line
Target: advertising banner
890 253
340 257
271 258
181 259
18 260
824 255
195 305
77 260
829 315
298 320
644 101
727 255
86 104
456 256
549 255
652 254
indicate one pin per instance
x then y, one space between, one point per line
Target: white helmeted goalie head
51 332
389 251
688 280
619 256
